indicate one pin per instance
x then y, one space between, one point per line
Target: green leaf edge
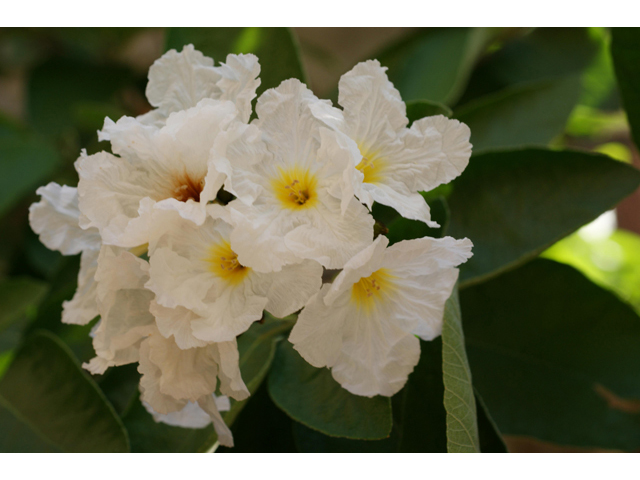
534 253
452 333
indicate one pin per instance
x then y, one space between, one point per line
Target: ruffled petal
289 290
225 437
176 322
373 109
239 81
178 81
123 304
83 308
55 219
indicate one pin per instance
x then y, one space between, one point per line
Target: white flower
163 168
191 416
178 81
294 180
172 378
123 304
363 326
55 218
396 162
204 294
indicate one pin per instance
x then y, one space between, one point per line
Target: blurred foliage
553 352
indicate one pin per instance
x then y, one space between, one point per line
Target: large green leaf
58 87
435 63
543 54
50 393
257 349
18 436
19 298
626 60
419 417
312 397
26 162
555 357
276 48
514 204
527 114
459 400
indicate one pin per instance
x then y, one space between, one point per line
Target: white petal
185 374
176 322
191 416
82 308
426 255
123 304
55 219
225 437
228 359
410 205
436 150
331 238
239 81
317 334
150 384
373 109
178 81
289 290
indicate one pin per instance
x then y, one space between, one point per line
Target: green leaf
18 436
50 393
19 298
59 87
523 115
612 262
419 417
257 349
276 48
459 401
312 397
555 357
435 63
404 229
626 61
488 433
514 204
27 162
418 109
543 54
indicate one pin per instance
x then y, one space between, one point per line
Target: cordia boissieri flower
364 325
294 180
204 293
396 162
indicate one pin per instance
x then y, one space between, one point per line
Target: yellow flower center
373 288
295 188
223 263
371 166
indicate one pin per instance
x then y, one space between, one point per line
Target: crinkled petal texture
363 326
83 307
123 304
55 218
173 377
205 294
397 162
294 181
178 81
163 168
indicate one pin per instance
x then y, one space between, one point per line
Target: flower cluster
176 274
